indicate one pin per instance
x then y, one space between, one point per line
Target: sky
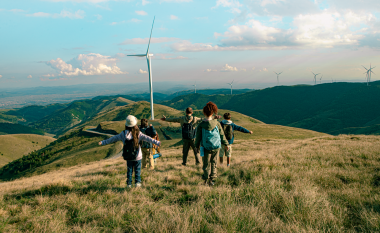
208 43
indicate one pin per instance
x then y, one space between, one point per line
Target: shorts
223 151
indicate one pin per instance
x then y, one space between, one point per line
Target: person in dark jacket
229 127
146 147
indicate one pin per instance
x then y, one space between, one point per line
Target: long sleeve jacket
127 135
234 127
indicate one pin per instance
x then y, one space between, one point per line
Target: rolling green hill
329 108
9 128
34 113
79 147
78 111
16 145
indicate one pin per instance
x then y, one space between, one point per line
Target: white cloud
99 17
134 20
80 1
146 40
264 70
141 13
227 68
210 70
1 76
142 71
235 5
173 17
113 23
144 2
85 64
79 14
242 69
253 68
326 29
30 76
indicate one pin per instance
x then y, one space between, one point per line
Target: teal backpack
211 139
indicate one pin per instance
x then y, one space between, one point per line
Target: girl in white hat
131 138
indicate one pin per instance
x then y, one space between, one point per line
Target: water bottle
157 155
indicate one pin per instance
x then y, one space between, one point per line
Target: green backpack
228 131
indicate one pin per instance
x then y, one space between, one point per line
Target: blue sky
67 42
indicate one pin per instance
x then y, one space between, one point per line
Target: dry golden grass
324 184
14 146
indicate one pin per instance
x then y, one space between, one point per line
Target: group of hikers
206 136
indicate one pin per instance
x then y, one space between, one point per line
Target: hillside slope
78 111
16 145
328 108
9 128
327 184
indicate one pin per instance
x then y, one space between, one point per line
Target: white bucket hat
130 121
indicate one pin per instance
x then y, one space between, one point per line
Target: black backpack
129 150
188 130
145 144
228 131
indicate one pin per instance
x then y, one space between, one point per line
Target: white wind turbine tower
369 72
277 76
320 79
195 87
315 77
231 85
148 56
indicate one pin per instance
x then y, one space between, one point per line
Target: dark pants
209 160
187 143
134 165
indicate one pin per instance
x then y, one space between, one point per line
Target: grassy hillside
16 145
77 148
35 112
223 91
327 184
9 128
328 108
77 112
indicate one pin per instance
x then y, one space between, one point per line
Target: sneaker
211 183
138 185
129 186
228 165
184 164
206 182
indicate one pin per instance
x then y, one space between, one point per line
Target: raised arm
113 139
241 129
177 119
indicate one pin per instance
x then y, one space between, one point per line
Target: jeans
136 165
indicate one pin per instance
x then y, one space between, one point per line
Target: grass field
14 146
322 184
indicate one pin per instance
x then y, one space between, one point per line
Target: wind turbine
369 72
315 77
148 56
231 85
277 76
195 87
320 79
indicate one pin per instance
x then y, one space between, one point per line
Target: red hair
210 109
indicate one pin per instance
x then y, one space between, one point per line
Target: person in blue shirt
229 127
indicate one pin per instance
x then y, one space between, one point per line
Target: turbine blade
147 52
364 67
137 55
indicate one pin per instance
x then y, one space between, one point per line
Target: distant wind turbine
315 77
368 73
277 76
320 79
231 85
195 87
148 56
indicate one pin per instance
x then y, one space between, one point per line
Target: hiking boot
138 185
211 183
205 182
184 164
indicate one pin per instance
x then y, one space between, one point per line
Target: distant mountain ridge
328 108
